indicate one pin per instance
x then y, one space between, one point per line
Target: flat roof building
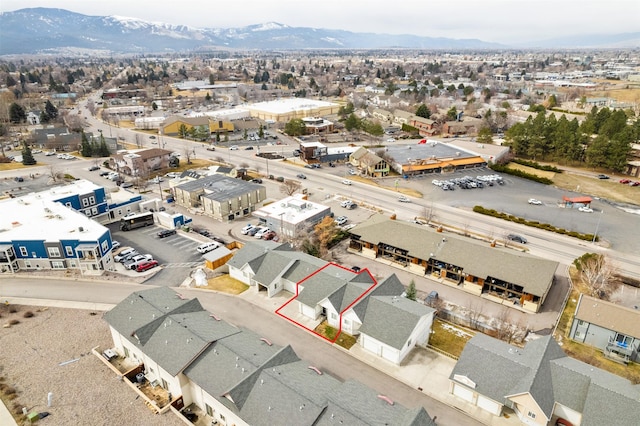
284 110
289 216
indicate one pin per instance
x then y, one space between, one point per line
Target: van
207 247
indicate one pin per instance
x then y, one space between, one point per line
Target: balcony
618 351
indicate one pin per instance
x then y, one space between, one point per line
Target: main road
241 313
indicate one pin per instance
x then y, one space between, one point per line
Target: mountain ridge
51 30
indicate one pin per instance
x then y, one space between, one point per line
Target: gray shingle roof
229 361
392 319
534 274
354 404
266 384
327 282
521 370
253 250
543 370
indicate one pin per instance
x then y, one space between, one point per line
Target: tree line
602 140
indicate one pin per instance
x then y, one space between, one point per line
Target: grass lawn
345 340
448 337
225 284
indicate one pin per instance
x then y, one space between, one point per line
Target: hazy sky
503 21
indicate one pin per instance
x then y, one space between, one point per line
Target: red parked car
625 181
147 265
269 235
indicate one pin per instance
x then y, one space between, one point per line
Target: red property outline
343 311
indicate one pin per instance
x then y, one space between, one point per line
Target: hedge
536 165
519 173
533 223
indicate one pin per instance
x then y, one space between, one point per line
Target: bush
28 314
14 322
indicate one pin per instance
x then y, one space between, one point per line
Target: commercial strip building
233 375
284 110
500 274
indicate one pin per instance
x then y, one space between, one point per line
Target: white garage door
462 392
489 405
371 345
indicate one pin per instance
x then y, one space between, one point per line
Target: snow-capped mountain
55 31
43 30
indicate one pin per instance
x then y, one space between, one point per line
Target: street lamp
595 235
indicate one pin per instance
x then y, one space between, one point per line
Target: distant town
475 208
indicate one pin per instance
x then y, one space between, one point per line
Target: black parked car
257 180
166 233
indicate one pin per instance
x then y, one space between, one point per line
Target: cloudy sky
503 21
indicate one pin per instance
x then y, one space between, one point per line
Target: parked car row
131 259
468 182
261 232
66 157
629 182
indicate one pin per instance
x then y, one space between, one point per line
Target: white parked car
535 202
585 209
346 182
352 172
172 175
391 140
345 203
246 229
262 232
207 247
233 147
341 220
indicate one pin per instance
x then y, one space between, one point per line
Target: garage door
371 345
462 392
489 405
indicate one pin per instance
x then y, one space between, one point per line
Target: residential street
241 313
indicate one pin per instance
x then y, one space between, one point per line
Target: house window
580 322
531 414
69 250
94 211
165 385
27 264
105 246
92 200
68 204
57 265
334 316
209 410
53 251
578 334
85 202
23 251
222 418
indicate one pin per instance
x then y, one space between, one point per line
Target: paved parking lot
176 254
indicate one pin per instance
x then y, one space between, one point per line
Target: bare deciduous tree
139 140
289 187
475 314
598 272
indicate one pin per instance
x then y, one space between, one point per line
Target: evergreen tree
86 150
103 150
411 291
27 156
423 111
17 113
